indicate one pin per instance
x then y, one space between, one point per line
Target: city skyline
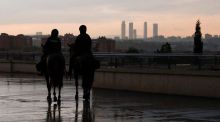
103 18
132 32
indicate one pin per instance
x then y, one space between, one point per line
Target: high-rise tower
123 30
131 30
145 31
135 34
155 30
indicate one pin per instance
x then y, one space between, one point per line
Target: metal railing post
199 62
11 66
169 63
215 61
116 62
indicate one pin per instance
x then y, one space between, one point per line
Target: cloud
108 12
66 11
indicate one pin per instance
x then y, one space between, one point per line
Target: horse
82 66
55 68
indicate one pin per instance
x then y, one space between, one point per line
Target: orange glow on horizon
168 26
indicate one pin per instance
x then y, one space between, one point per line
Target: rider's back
53 45
83 45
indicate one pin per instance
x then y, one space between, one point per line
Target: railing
167 61
153 60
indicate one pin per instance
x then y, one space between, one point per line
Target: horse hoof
55 99
49 98
86 97
76 97
58 102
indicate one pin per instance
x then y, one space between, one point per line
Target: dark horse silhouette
54 72
83 67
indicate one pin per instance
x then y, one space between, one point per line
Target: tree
198 44
166 48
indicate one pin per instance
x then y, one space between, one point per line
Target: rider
52 45
83 43
83 54
82 46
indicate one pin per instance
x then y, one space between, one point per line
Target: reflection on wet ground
132 107
23 99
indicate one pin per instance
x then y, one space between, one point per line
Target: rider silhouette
52 45
82 47
83 57
83 43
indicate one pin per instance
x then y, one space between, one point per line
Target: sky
104 17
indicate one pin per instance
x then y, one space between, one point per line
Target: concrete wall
163 82
5 67
175 82
17 67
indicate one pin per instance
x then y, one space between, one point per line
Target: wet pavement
23 99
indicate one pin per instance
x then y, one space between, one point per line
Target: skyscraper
123 30
131 30
145 31
155 30
135 34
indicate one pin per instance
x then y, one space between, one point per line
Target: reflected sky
24 100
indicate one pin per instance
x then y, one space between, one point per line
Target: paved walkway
24 100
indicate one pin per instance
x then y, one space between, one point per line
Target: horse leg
88 82
59 96
48 88
76 84
85 88
54 94
86 94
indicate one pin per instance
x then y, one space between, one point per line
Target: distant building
208 36
145 31
36 40
155 30
117 38
5 41
22 42
15 43
215 36
123 30
39 33
131 31
104 45
135 34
